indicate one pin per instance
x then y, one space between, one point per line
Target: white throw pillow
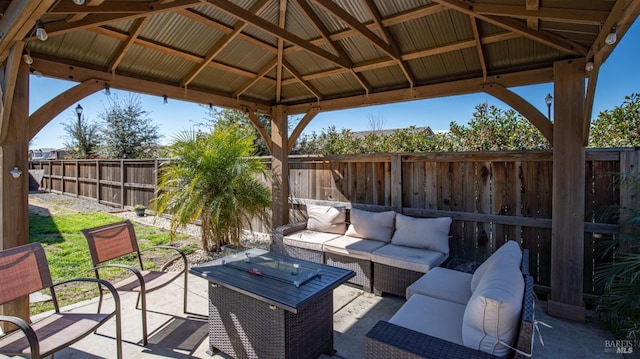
510 250
326 219
425 233
371 225
492 315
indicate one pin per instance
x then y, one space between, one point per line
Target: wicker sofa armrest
277 239
387 340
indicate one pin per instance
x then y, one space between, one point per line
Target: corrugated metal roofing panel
261 90
218 80
388 8
333 85
306 63
153 64
244 56
360 49
387 77
519 52
181 33
296 92
298 24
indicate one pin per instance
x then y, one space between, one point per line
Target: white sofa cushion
426 233
509 251
413 259
493 312
326 219
352 247
443 283
435 317
309 239
371 225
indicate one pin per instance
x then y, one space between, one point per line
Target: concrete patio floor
172 334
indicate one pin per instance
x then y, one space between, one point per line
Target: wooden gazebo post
279 166
14 192
567 242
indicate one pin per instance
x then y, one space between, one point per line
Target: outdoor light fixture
79 111
15 172
548 100
588 67
107 89
37 73
611 37
78 2
41 33
27 58
165 99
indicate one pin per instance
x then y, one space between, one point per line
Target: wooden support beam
262 24
476 36
567 233
18 20
588 103
282 17
9 82
538 119
280 166
14 192
532 5
47 112
266 68
137 28
301 126
253 118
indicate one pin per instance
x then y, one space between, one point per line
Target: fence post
121 183
396 182
98 180
77 179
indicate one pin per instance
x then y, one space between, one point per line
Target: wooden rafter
542 37
532 5
622 15
137 28
258 76
476 36
240 13
326 36
79 16
352 22
17 21
90 21
222 43
377 19
8 87
533 10
300 79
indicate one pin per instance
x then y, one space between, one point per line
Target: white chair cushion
352 247
413 259
493 312
435 317
371 225
326 219
443 283
510 251
426 233
309 239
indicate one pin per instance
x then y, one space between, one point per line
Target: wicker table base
244 327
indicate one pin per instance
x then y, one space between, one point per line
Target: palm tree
213 178
619 276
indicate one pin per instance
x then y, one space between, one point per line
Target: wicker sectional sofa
387 250
451 314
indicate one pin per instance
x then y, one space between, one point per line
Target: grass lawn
68 253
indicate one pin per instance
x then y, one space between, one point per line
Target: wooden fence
492 196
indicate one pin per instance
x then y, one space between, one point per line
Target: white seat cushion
443 283
371 225
510 251
413 259
326 219
426 233
492 315
309 239
352 247
435 317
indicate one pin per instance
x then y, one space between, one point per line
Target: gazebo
303 57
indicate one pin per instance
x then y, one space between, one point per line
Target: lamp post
548 100
79 111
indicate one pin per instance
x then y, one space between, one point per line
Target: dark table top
270 290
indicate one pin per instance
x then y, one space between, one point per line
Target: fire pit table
264 305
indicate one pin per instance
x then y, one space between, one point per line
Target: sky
619 77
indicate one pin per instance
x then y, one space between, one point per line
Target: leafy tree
82 137
235 118
619 127
127 132
493 129
213 178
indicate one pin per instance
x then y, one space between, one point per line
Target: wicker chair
114 241
24 270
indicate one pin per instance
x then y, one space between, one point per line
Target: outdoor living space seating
387 250
484 314
114 241
24 270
